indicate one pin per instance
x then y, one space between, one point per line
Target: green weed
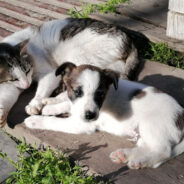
163 54
45 167
109 6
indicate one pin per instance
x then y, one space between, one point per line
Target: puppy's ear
113 77
65 69
21 47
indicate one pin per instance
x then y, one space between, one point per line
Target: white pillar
175 19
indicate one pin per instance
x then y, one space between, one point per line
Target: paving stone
152 11
166 78
8 146
93 150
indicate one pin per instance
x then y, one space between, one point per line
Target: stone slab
141 29
152 11
166 78
8 146
93 150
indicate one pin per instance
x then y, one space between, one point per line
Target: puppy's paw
134 136
56 109
34 107
137 164
118 156
34 122
49 110
124 76
3 116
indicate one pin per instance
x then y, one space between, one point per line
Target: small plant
45 167
86 10
163 54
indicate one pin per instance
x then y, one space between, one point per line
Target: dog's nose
89 115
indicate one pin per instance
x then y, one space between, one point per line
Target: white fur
8 96
87 47
23 81
151 120
89 80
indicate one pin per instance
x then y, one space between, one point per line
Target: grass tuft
45 167
109 6
163 54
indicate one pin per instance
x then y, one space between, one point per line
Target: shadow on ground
174 86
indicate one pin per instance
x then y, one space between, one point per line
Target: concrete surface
93 150
152 11
144 17
8 146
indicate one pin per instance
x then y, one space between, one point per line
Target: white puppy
154 119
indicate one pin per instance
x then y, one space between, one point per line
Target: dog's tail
179 148
20 36
132 62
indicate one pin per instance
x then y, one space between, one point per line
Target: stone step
139 28
19 16
33 8
8 146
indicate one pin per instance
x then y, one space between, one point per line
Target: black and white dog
44 48
154 119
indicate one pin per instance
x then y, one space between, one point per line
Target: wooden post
175 19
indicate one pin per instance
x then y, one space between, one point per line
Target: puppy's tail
132 62
179 148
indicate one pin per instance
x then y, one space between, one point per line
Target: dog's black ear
65 69
113 77
21 47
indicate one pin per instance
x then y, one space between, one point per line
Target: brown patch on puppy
138 94
70 80
180 121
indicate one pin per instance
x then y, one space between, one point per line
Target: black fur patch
77 25
102 89
180 121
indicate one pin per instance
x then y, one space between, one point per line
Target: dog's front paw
34 107
3 116
34 122
118 156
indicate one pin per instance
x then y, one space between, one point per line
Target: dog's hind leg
141 156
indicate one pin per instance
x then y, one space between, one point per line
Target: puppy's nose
89 115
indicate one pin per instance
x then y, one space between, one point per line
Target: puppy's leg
46 84
68 125
56 109
8 96
58 99
140 157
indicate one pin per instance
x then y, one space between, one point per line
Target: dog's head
87 87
